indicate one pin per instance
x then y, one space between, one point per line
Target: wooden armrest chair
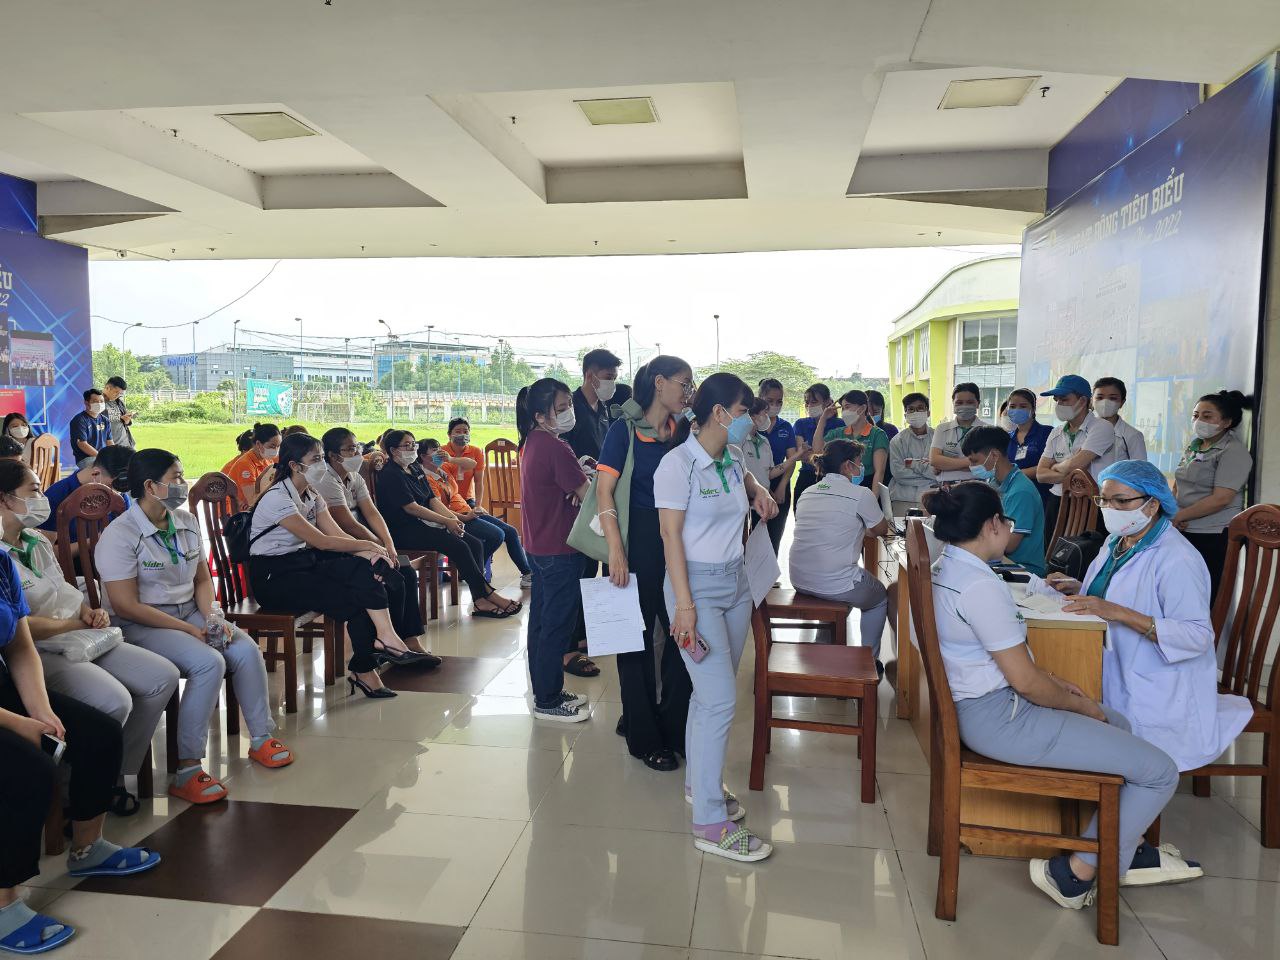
1077 512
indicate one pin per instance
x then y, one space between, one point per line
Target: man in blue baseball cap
1081 441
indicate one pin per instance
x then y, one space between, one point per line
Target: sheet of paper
1047 607
614 622
762 563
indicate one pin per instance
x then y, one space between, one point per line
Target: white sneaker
1041 878
561 713
1172 868
570 699
526 581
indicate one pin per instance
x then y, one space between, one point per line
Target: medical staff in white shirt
702 491
945 454
836 515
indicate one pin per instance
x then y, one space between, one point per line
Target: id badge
1021 453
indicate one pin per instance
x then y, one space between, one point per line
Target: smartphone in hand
53 746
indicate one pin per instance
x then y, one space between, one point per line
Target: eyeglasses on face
1115 501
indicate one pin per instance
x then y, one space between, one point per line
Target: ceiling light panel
994 92
618 111
268 126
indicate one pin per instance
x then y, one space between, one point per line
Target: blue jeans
723 598
554 602
1005 727
493 532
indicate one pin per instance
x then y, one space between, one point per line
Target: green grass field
207 446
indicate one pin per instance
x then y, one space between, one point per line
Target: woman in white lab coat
1160 669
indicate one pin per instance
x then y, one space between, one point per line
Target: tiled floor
446 823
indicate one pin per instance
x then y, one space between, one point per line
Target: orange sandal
265 754
194 789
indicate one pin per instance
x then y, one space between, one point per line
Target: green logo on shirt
153 565
709 491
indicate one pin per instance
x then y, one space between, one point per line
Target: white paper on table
762 563
1049 607
612 614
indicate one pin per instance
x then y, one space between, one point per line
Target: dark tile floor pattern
467 675
237 852
315 936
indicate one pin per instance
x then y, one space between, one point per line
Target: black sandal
581 666
124 803
664 761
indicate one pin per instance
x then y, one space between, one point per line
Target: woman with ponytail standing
1210 478
632 450
702 492
552 486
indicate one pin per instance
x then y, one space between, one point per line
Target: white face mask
35 510
966 411
1123 523
566 419
353 464
19 431
95 409
315 472
1106 408
605 389
1065 411
407 457
850 417
814 410
761 422
1205 430
918 419
271 453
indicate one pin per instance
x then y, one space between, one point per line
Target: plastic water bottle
215 626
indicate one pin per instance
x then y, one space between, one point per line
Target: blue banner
1153 272
45 346
17 204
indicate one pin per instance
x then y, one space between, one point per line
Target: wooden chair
785 609
1077 513
45 453
428 564
1246 625
812 670
953 768
502 476
214 498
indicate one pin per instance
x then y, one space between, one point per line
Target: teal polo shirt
1022 504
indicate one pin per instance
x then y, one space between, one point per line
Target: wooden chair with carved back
502 479
45 454
428 564
1244 619
213 499
953 768
1077 512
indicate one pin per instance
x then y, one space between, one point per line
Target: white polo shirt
1131 444
164 565
47 593
348 491
757 457
712 495
831 519
976 617
1095 435
947 437
280 502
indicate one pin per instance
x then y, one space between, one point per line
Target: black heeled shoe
382 693
400 658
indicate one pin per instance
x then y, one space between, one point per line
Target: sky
832 309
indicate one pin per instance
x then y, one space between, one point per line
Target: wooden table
1070 648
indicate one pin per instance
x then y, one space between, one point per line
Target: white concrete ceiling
771 113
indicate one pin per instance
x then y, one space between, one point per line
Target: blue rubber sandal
119 864
29 938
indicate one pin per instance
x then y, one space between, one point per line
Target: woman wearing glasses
1159 667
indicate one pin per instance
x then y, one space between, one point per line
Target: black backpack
1072 555
235 531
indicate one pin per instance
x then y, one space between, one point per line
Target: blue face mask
876 418
856 479
438 459
739 429
1018 415
982 472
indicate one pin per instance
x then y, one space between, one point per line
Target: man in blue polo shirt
110 467
987 450
90 430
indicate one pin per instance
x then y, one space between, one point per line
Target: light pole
124 364
391 338
502 379
346 354
235 363
194 324
631 374
427 380
195 363
716 316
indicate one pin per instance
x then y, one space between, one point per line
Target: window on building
989 340
897 360
909 347
922 348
